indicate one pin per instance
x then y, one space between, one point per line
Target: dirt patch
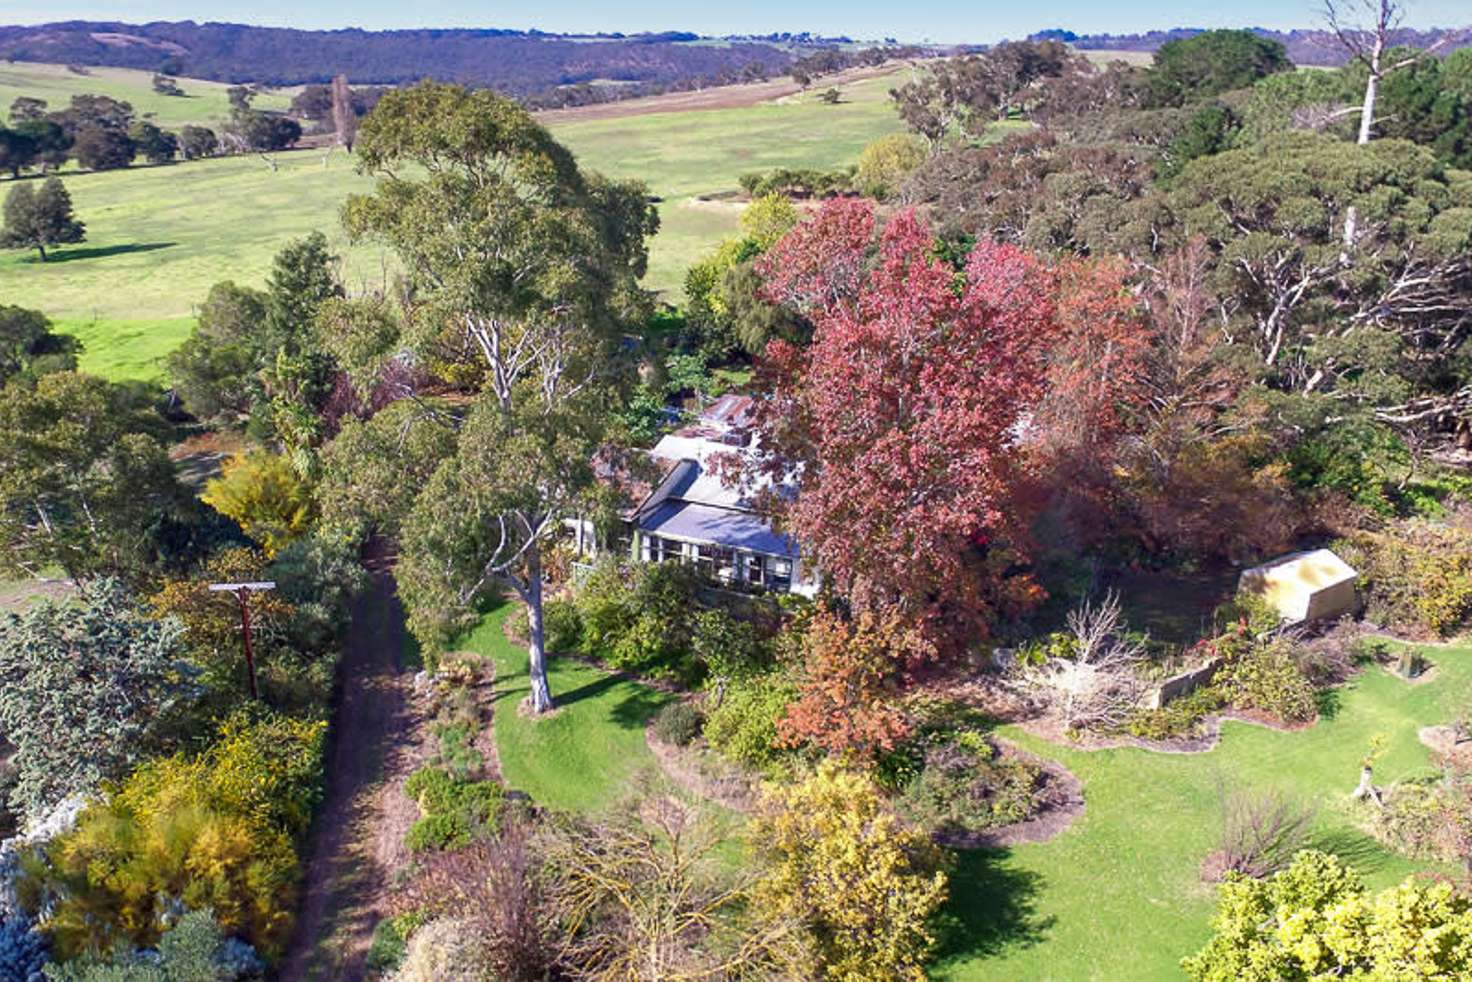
1063 794
356 841
16 595
719 97
1443 740
698 770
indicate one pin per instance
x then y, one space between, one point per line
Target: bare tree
640 897
1097 686
1260 834
1364 29
344 117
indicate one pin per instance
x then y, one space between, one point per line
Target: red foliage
848 701
900 424
1097 372
1097 390
820 263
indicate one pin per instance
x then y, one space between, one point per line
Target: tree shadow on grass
590 690
99 252
992 907
636 709
1354 848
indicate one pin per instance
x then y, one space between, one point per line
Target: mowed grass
203 103
1116 896
584 756
159 237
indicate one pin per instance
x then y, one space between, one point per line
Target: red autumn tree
1098 370
849 703
820 264
900 425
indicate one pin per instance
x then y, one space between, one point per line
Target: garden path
379 737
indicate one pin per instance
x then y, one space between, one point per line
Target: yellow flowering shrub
865 886
217 830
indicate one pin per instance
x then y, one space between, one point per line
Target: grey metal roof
722 526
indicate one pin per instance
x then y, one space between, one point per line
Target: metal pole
250 661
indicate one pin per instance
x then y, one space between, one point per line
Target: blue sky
912 20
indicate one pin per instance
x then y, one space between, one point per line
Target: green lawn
158 237
1115 897
203 103
582 757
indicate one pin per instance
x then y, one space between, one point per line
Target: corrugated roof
723 526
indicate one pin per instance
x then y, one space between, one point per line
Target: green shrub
727 647
457 749
1267 678
453 812
391 941
440 831
966 785
678 723
562 627
744 725
640 619
1181 717
1414 576
1426 818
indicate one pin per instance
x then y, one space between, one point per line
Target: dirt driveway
378 739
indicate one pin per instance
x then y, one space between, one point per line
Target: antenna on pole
242 593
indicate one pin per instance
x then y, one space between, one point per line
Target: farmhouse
688 514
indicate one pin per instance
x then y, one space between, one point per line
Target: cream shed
1303 586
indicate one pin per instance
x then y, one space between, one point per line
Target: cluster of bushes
1415 575
153 782
195 947
798 182
952 778
453 811
1315 919
1263 669
1429 817
1260 673
838 887
645 618
742 723
216 831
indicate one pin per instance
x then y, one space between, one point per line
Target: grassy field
158 237
1117 896
201 104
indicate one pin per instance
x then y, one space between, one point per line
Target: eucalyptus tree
520 272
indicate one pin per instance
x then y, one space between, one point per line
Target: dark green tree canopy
37 219
1211 63
29 348
214 370
85 477
522 273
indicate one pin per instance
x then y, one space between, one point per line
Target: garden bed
699 770
1062 797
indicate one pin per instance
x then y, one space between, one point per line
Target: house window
716 562
658 550
781 578
755 568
